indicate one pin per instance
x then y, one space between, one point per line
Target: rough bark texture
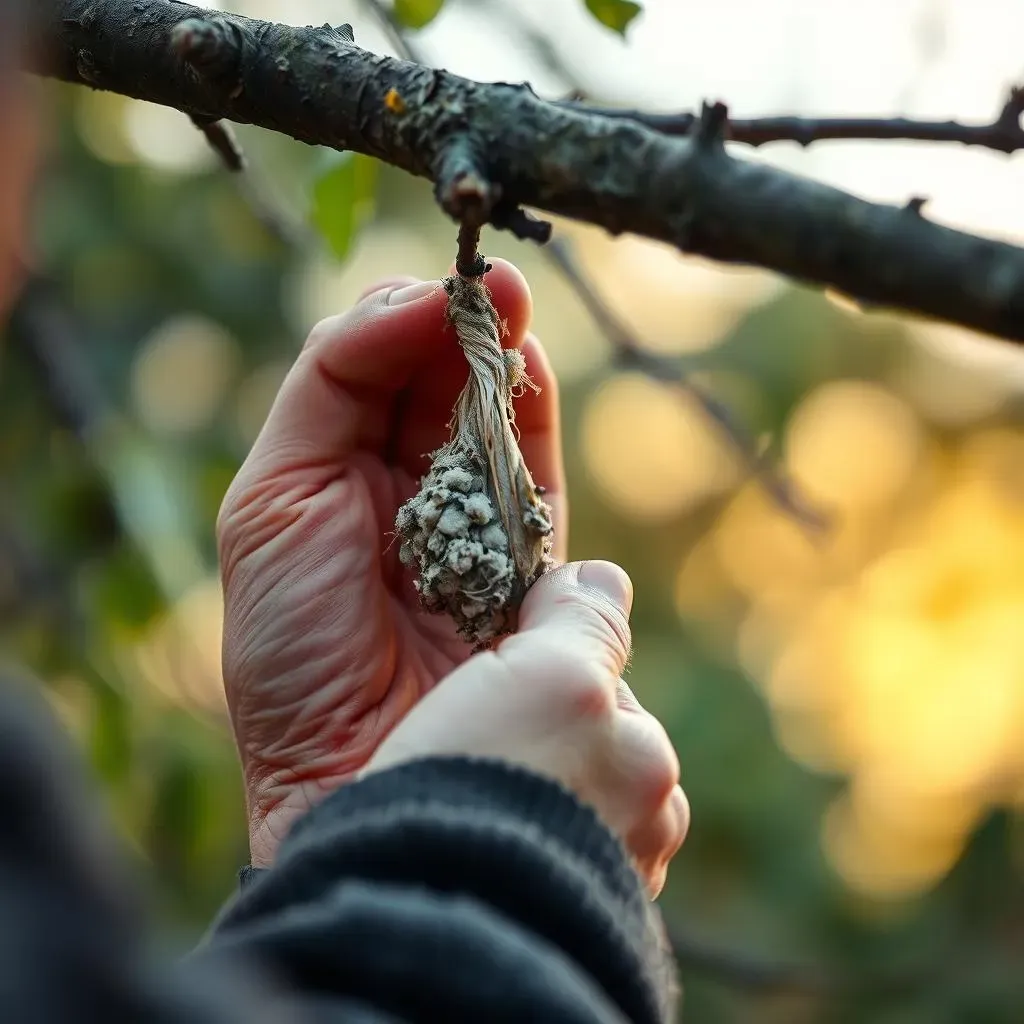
492 148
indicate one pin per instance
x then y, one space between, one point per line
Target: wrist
273 812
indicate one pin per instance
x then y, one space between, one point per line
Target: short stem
469 262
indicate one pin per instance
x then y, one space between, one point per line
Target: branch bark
491 149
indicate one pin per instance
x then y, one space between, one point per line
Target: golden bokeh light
325 287
255 396
946 388
759 547
885 862
99 121
673 304
891 649
181 374
651 450
179 657
164 139
852 444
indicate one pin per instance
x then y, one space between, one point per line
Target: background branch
630 355
1003 134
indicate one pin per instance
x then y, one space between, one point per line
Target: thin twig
469 262
46 330
631 355
223 141
1003 134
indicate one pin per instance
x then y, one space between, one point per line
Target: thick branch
315 85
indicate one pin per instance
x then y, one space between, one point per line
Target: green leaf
343 199
417 13
616 14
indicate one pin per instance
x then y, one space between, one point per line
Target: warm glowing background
849 709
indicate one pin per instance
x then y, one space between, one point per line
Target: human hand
325 647
551 699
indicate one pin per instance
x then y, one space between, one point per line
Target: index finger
340 393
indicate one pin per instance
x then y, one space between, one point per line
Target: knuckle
657 773
681 814
575 679
664 773
579 684
589 691
657 838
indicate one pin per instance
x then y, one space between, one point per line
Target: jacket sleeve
458 890
444 890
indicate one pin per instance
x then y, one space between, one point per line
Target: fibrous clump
478 532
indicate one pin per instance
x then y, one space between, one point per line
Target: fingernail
412 292
611 581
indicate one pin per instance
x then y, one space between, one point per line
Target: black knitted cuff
520 843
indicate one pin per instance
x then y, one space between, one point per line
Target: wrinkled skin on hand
326 647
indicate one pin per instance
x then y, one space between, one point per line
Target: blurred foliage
343 196
616 14
417 13
849 710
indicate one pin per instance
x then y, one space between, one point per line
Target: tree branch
221 137
493 148
631 355
1003 134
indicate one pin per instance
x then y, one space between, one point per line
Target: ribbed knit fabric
482 837
446 890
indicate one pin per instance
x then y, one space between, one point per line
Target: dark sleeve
445 890
457 890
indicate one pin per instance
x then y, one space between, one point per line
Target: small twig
223 141
469 262
391 28
630 355
1004 134
40 329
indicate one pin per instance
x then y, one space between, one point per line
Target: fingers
574 634
550 698
340 393
653 814
660 840
574 625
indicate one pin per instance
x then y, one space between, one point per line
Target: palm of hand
325 645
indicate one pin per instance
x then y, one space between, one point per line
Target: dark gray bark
491 149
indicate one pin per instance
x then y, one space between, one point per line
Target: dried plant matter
478 531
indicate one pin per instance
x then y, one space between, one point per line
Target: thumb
560 671
576 616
